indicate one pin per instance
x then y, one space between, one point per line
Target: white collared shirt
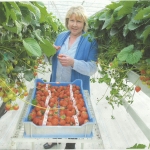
63 74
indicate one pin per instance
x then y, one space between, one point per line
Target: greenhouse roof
60 7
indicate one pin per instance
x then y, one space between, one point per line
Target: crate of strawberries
58 110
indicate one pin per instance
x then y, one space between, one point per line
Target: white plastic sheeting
60 7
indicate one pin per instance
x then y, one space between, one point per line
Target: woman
75 57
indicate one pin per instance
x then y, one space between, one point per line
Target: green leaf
7 10
32 47
3 14
13 11
127 8
34 102
47 48
139 32
143 14
13 14
125 30
105 79
132 26
113 31
96 24
26 15
11 29
122 56
8 56
115 63
2 67
106 23
15 6
113 5
52 23
134 57
129 55
107 19
28 75
148 61
115 13
19 27
102 16
146 33
43 11
18 69
137 146
35 10
37 33
114 91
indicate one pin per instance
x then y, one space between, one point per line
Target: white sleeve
85 68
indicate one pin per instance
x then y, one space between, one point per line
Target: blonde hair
80 12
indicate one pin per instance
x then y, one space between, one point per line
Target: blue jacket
86 51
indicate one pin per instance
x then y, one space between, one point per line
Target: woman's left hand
65 60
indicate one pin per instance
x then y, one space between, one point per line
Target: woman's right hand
57 47
65 60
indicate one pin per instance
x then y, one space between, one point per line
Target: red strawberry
16 107
137 88
143 72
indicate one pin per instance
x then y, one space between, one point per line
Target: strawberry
35 67
39 113
142 78
8 106
32 115
25 93
143 72
137 88
111 64
62 122
15 107
54 121
35 73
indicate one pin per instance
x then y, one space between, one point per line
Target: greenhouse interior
75 74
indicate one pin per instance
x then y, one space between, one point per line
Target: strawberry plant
27 33
122 31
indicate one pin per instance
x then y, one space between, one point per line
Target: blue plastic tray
32 130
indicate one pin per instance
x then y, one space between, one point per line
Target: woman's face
75 25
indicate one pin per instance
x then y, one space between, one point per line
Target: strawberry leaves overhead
122 30
32 47
130 55
23 27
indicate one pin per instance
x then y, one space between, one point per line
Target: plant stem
130 87
103 95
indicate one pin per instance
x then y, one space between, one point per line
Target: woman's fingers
65 60
61 55
56 47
